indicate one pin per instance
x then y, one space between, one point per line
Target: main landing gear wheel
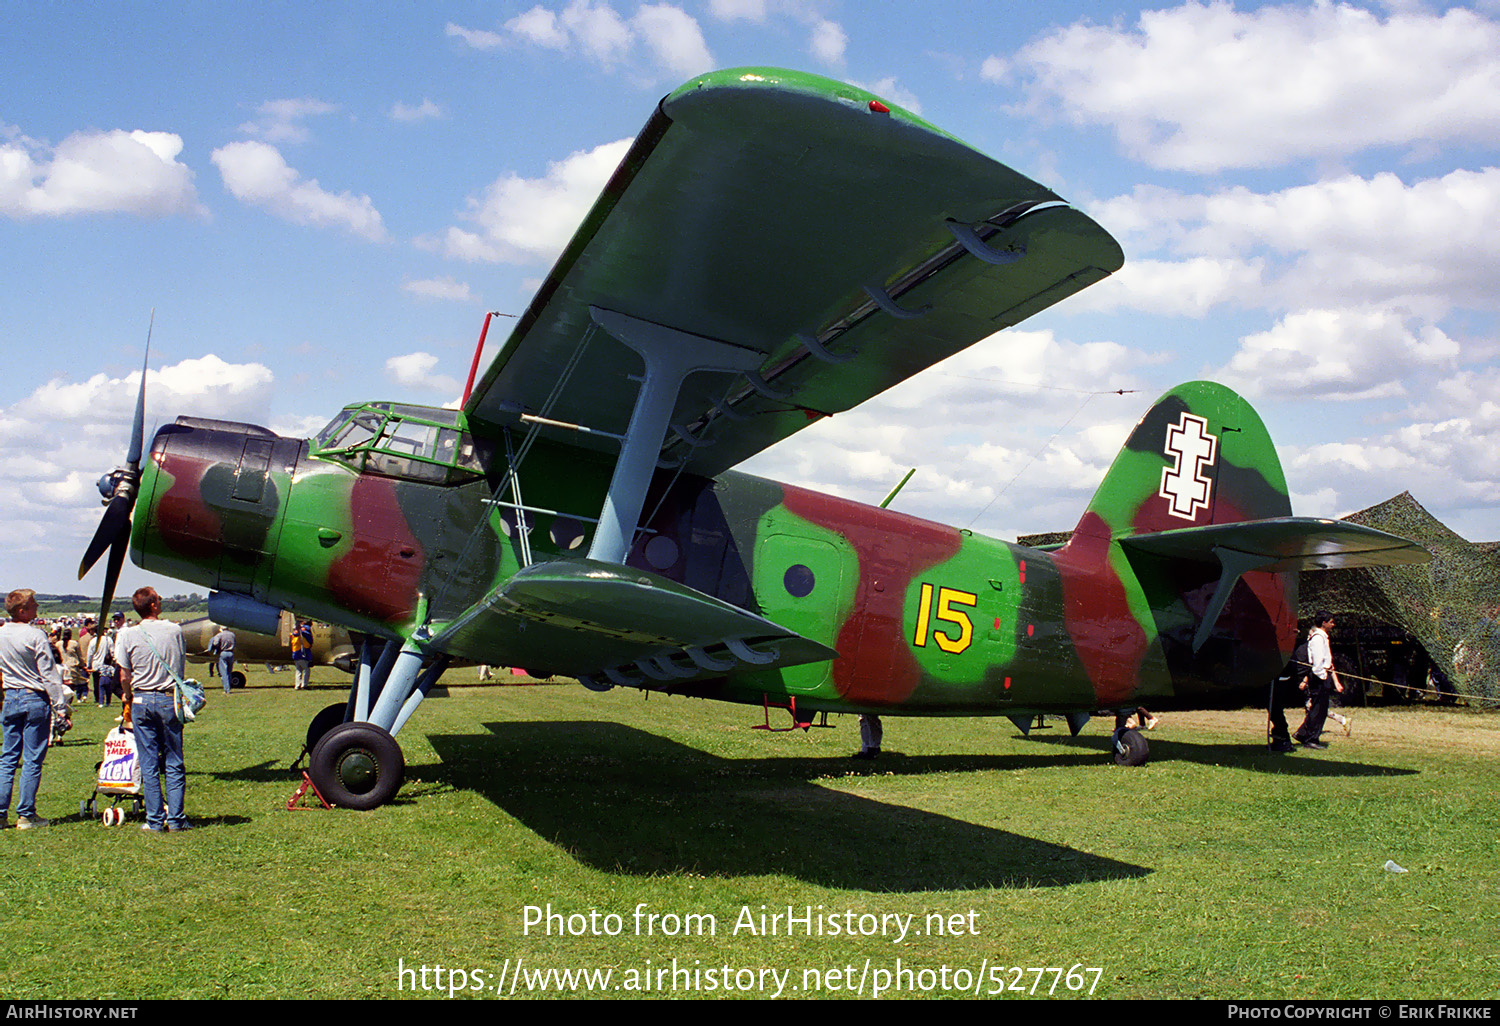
357 766
325 721
1131 748
236 679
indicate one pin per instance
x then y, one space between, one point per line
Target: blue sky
321 200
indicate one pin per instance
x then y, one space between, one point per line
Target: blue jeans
158 745
226 668
28 728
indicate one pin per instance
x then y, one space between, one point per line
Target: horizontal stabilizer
1276 545
633 627
1283 544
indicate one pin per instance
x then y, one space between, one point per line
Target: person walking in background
1321 680
102 667
75 674
302 642
223 648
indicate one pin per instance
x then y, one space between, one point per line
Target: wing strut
670 356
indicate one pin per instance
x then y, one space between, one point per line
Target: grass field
1217 870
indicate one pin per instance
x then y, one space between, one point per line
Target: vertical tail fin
1199 456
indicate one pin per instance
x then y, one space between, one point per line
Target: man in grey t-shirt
28 672
152 655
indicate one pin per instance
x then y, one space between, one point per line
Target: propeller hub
110 482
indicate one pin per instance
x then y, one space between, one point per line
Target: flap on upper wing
846 243
1283 543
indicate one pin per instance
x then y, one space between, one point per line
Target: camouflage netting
1448 605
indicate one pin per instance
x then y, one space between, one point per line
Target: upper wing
845 244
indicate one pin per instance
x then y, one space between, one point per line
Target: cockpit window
357 431
416 443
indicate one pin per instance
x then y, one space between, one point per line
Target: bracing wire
1087 398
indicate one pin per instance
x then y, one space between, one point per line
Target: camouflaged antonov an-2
774 248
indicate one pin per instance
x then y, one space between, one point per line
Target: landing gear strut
355 761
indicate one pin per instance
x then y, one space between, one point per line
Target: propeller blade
115 522
113 532
112 571
138 427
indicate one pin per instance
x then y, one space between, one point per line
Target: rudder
1201 455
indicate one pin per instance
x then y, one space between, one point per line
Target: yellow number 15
947 598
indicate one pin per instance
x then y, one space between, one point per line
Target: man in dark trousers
1321 680
1286 689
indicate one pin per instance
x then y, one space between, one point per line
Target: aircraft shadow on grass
1252 757
624 800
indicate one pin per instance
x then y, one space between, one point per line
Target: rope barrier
1434 692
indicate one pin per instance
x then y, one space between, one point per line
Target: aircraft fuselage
927 619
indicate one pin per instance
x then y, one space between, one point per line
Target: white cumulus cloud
117 171
1022 443
416 370
661 36
439 288
424 111
1189 288
1338 354
1343 241
828 42
674 39
738 10
1207 86
256 173
478 39
524 219
281 120
57 441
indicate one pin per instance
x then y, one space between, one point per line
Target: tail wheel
357 766
1131 748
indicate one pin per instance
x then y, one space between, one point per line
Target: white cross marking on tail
1185 485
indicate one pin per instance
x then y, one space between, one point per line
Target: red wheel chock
293 803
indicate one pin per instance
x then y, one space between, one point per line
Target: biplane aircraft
774 248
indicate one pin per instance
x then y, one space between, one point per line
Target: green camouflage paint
925 618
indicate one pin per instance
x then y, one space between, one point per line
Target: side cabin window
413 443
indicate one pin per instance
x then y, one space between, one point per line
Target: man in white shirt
1321 680
29 673
152 656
